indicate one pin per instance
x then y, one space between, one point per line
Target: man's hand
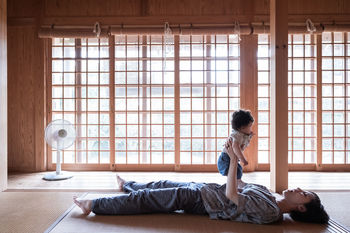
229 147
231 185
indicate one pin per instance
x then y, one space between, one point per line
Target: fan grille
60 134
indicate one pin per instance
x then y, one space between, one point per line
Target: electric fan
59 134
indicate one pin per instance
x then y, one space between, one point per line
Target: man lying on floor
251 203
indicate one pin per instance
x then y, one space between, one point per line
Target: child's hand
245 162
228 140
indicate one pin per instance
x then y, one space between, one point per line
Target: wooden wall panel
93 8
200 8
21 94
318 7
22 8
128 12
3 95
262 7
26 87
39 103
107 8
112 8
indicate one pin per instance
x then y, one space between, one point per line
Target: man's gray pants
154 197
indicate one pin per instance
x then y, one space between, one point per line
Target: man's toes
78 203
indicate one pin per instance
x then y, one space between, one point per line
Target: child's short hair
315 212
241 118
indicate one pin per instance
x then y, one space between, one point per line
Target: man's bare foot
121 182
85 205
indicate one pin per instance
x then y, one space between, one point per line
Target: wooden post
3 95
279 95
144 102
112 101
40 99
319 102
249 91
208 130
177 101
78 102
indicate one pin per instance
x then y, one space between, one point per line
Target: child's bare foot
85 205
121 182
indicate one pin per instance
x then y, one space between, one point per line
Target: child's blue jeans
224 164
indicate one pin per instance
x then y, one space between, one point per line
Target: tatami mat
177 222
337 204
32 212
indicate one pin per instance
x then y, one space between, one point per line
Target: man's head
306 205
242 120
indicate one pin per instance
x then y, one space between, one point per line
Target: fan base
54 176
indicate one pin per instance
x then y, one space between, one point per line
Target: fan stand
58 175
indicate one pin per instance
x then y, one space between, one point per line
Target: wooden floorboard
105 181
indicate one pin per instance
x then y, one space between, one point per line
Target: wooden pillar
3 95
249 90
143 158
279 95
209 107
319 102
112 102
39 95
177 101
78 102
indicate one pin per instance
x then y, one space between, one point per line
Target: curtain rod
87 31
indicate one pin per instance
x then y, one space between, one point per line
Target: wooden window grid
144 100
263 57
302 95
335 98
167 99
209 92
80 94
142 127
302 99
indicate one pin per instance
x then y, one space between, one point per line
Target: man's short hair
314 213
241 118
